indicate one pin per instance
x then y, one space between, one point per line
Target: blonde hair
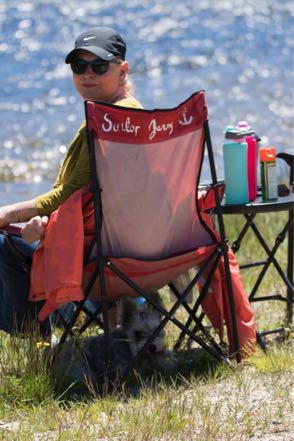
129 86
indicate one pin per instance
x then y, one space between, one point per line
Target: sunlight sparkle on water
239 53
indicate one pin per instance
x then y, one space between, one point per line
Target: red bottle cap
267 154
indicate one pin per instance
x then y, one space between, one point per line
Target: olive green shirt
75 171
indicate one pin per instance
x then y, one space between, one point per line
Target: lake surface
240 53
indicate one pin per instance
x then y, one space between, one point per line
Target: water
241 53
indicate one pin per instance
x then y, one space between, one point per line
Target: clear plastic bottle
268 171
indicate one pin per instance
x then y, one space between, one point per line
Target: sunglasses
98 66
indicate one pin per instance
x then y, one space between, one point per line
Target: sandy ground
261 406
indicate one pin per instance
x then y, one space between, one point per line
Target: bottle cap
267 154
232 132
243 125
229 129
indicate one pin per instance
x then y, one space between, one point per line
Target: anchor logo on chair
185 121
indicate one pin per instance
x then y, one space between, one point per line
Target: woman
100 72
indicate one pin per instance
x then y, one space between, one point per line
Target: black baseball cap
104 42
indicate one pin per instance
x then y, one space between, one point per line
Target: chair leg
169 315
260 341
261 334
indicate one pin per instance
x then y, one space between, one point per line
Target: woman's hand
35 229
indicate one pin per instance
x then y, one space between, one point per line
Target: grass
203 401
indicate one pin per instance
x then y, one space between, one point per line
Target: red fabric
144 183
216 306
206 199
58 275
57 267
138 126
11 229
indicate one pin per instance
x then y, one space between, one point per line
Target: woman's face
108 87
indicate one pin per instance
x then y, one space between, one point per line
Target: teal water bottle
235 171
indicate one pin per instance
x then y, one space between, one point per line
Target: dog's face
78 364
139 320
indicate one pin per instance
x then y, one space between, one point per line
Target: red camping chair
152 224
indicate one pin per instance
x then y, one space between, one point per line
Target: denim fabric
67 312
17 314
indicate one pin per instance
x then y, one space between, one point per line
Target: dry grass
202 401
253 401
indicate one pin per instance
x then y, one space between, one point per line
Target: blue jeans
17 314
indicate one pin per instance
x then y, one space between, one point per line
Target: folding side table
250 211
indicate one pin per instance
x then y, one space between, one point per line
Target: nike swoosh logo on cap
89 38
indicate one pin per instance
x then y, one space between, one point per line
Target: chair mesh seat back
148 164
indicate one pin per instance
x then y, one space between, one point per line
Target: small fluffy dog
79 365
